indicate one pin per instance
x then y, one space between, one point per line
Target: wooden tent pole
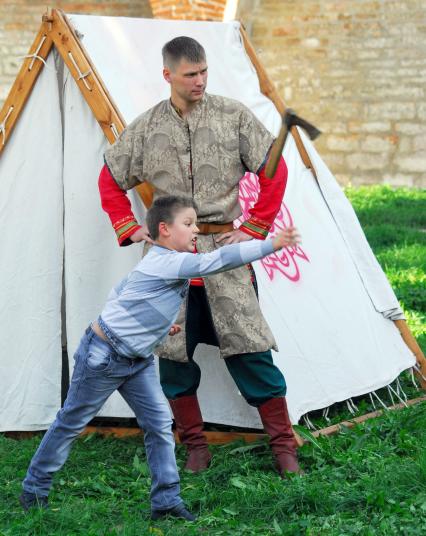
413 345
269 90
91 85
24 83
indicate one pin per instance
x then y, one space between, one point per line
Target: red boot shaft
189 426
276 421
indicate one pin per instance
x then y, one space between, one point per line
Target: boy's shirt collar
162 250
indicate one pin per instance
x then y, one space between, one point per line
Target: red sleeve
116 204
268 204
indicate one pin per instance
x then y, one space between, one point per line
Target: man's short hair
182 47
164 209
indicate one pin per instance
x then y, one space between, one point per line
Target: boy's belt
213 228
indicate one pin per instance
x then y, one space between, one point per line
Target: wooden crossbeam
221 438
335 428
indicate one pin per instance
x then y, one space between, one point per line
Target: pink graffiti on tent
286 260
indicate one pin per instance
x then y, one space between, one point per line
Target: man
201 145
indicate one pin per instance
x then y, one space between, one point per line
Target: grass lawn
369 480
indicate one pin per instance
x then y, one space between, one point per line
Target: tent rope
399 389
35 56
308 422
114 130
399 397
325 414
379 399
350 408
413 379
391 395
81 76
372 401
3 125
354 406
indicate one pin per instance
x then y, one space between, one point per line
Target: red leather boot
189 426
277 425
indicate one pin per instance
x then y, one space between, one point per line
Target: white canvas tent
328 302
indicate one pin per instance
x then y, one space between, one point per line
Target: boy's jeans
98 372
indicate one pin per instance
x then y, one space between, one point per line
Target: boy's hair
182 47
164 209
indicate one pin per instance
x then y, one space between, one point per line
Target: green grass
369 480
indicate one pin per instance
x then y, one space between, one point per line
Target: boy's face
183 231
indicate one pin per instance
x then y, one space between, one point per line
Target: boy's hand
175 329
288 237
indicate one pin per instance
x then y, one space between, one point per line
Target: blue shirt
141 309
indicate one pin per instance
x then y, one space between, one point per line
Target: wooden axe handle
276 152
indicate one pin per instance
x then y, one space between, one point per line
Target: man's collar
196 108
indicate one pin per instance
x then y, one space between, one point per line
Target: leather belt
213 228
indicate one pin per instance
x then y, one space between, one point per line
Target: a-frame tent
336 319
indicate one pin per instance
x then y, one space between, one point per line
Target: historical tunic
203 155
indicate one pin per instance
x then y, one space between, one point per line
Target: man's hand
233 237
141 234
288 237
175 329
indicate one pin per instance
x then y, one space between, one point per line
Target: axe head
291 119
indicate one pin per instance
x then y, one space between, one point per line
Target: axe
290 119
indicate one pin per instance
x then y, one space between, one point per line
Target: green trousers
255 374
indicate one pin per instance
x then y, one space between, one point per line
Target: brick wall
357 70
21 19
188 9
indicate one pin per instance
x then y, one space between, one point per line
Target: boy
116 351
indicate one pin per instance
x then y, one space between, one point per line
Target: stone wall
357 70
21 19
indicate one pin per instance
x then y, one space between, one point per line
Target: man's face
183 231
188 80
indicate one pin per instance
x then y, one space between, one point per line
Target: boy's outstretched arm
234 255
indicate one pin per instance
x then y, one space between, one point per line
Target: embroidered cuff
124 228
256 228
